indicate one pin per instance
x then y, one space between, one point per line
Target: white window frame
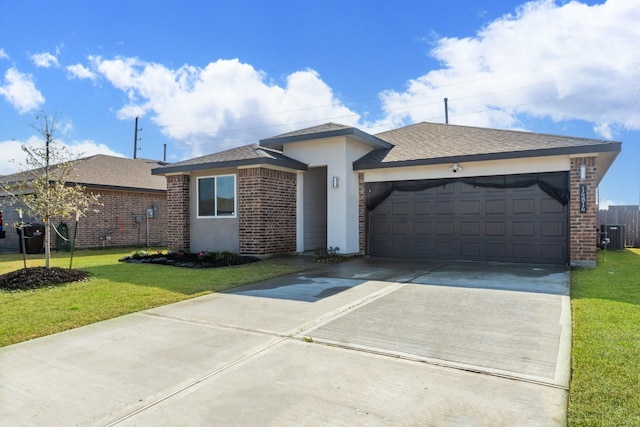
215 199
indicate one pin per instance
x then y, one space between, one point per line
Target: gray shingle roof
326 130
252 154
432 143
102 171
326 127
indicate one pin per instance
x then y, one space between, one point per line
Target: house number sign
583 198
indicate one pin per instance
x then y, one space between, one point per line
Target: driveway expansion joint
214 325
434 362
195 383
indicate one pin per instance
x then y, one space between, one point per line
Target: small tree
44 186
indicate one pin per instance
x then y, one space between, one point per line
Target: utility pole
446 110
136 139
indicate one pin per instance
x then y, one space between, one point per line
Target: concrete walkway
367 342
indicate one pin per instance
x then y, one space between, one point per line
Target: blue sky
209 75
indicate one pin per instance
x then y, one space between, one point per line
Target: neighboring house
127 191
427 190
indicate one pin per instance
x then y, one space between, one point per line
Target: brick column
178 198
582 235
362 212
266 211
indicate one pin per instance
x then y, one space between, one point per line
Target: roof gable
327 130
245 155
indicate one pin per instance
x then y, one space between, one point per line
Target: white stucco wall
471 169
300 212
338 155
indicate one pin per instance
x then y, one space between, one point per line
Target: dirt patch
189 260
40 277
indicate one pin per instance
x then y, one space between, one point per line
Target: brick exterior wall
583 226
114 225
266 211
178 199
362 212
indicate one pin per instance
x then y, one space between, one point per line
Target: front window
217 196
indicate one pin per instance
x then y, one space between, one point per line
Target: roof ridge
496 130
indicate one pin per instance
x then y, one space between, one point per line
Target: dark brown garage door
459 221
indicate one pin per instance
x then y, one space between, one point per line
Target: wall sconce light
583 172
335 182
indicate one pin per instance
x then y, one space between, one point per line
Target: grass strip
114 289
605 384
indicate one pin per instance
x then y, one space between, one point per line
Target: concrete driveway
366 342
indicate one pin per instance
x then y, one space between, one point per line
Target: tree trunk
47 244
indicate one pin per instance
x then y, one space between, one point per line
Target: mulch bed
335 259
40 277
191 260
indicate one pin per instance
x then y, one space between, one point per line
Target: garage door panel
551 252
421 207
496 207
471 250
496 249
470 207
552 228
444 248
445 189
421 249
400 208
550 206
444 228
402 248
399 228
472 189
532 190
524 228
493 190
422 227
444 207
524 206
523 251
381 229
470 228
495 228
460 221
379 246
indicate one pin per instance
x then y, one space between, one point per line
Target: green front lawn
114 289
605 384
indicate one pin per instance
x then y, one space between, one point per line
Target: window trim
215 200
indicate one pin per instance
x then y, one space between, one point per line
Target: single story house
128 193
427 190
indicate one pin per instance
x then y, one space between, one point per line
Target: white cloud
568 62
87 147
225 104
79 71
11 154
604 130
20 91
604 204
3 54
45 60
13 159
